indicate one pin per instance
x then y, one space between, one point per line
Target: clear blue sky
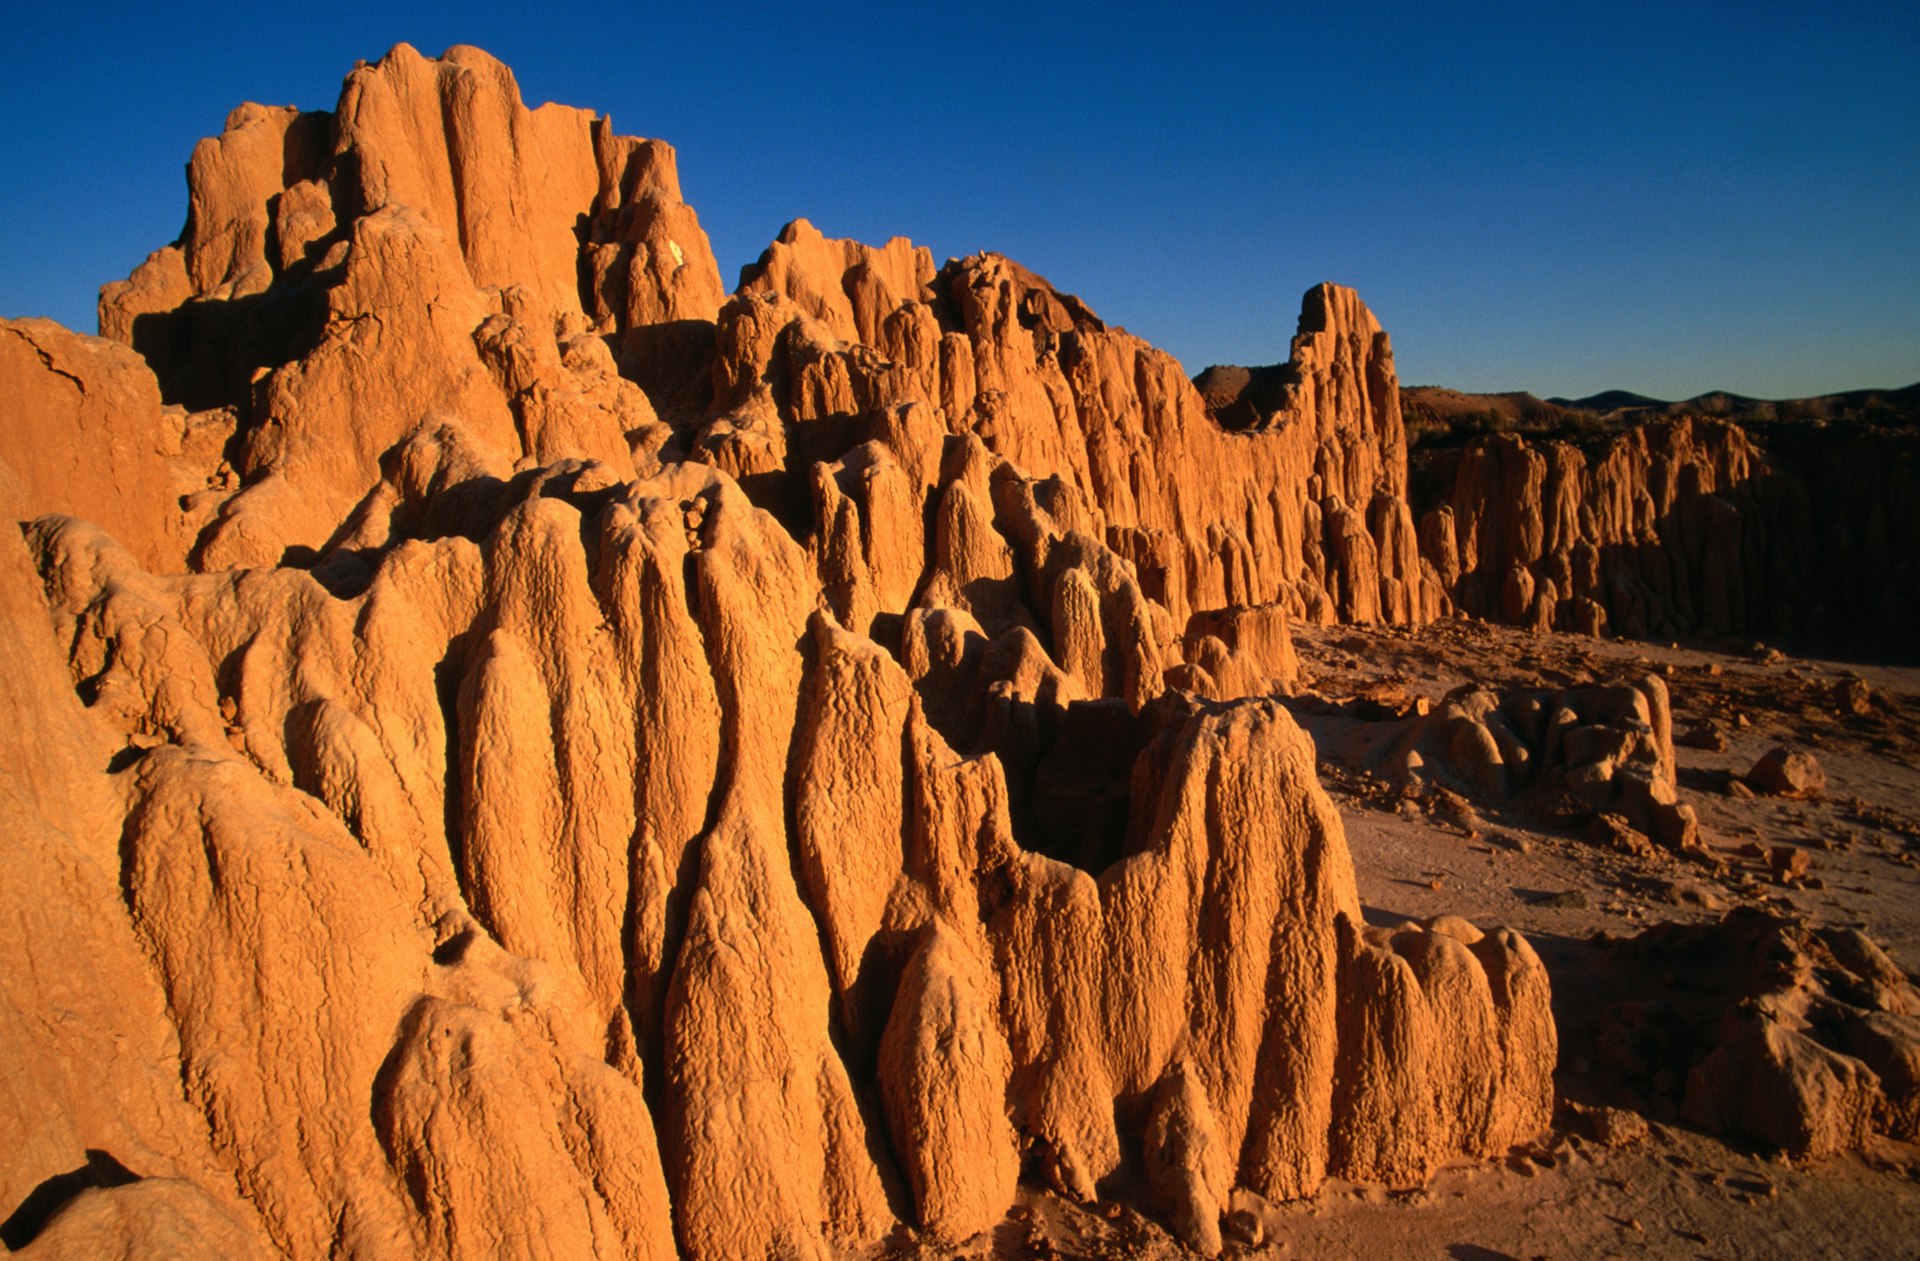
1559 198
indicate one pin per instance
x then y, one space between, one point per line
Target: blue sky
1558 198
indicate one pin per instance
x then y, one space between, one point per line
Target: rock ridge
547 757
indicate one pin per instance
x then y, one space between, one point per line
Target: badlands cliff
516 751
1691 526
512 749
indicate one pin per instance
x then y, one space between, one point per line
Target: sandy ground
1677 1193
1862 835
1673 1192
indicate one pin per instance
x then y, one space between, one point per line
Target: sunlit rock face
512 750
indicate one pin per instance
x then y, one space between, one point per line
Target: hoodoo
521 752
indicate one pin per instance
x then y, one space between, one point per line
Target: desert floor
1672 1191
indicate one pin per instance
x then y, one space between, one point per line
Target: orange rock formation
1577 753
518 752
1805 1041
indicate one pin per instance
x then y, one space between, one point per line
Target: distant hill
1879 406
1523 408
1608 401
1437 416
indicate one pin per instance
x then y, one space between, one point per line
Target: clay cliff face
1691 526
521 753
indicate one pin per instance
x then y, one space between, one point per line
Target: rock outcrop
1689 526
1600 752
1307 508
433 249
83 432
416 253
1806 1041
534 790
593 767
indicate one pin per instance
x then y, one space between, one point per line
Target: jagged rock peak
275 197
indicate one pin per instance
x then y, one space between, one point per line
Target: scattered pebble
1788 864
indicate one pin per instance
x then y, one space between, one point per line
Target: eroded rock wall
549 760
431 247
1684 527
757 965
1306 510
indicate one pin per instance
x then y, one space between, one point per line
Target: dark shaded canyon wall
1685 527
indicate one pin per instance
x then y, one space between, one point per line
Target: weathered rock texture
1787 773
596 767
1805 1041
430 248
433 248
1691 526
84 433
1595 752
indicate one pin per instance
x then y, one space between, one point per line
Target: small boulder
1613 1127
1245 1228
1677 826
1787 773
1853 696
1789 864
1614 832
1702 736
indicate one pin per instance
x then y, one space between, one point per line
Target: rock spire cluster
1690 526
514 750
